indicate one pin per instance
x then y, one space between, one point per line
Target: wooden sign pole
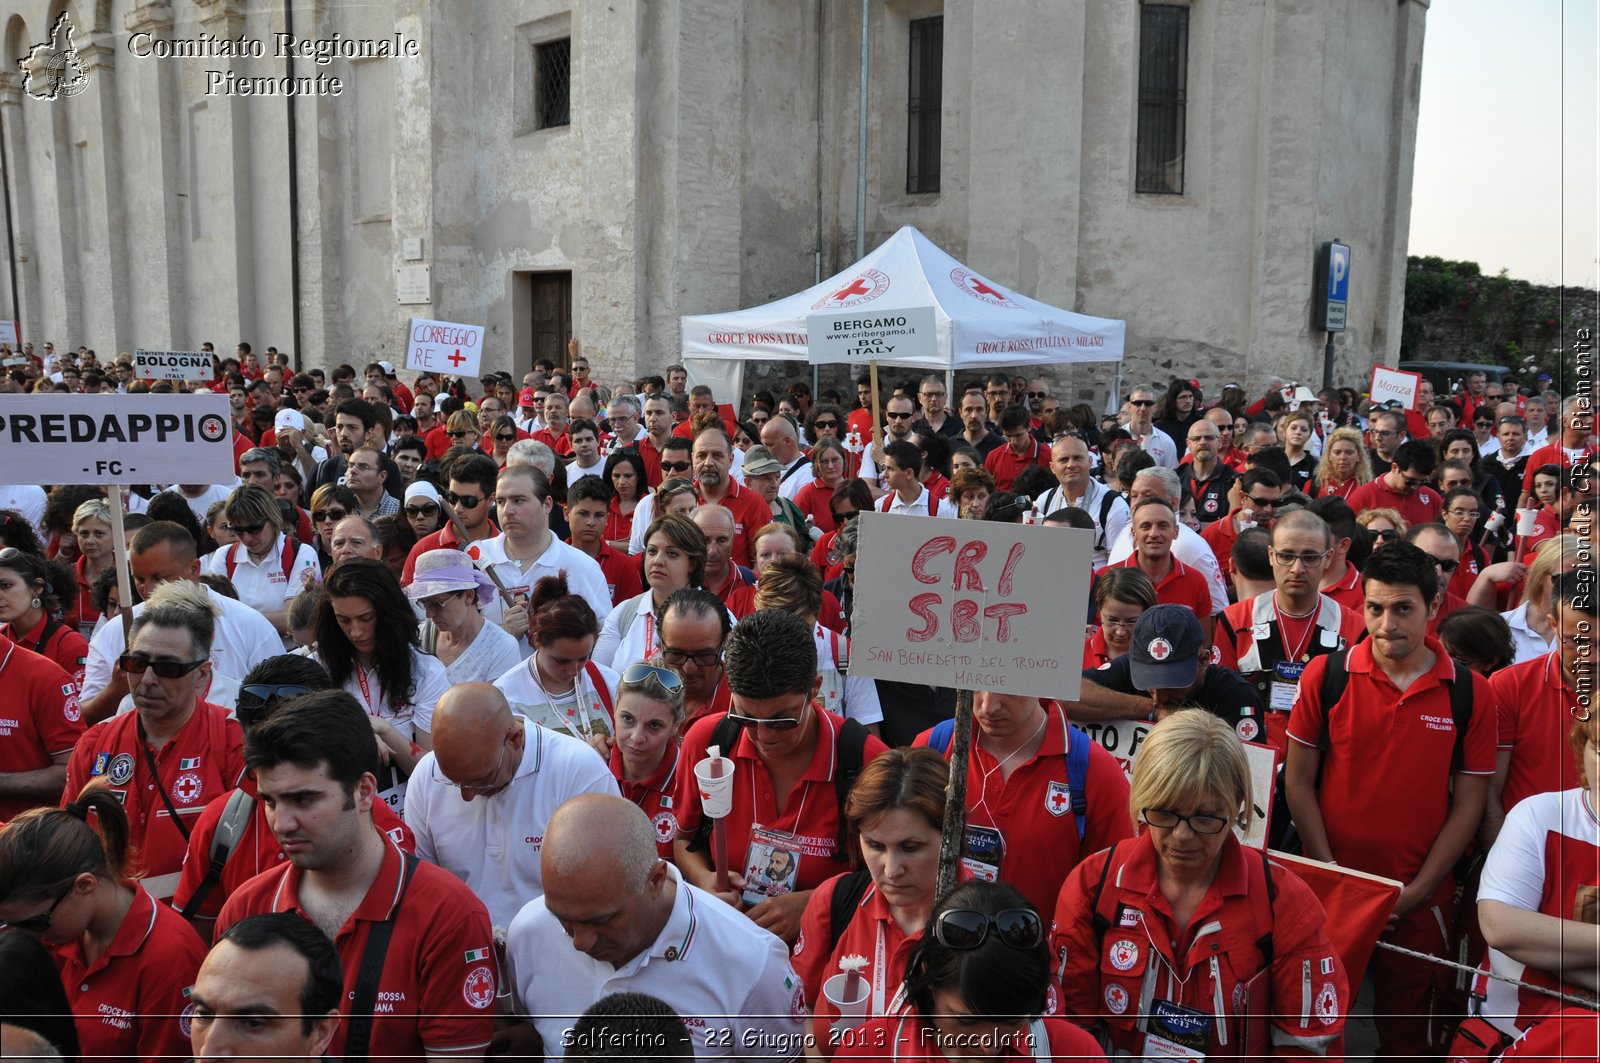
952 839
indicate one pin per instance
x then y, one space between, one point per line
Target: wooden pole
461 535
953 838
119 542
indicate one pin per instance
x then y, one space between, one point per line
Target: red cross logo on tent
1057 799
860 287
187 787
979 288
870 284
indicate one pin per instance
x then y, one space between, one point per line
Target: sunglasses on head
675 466
643 672
256 698
320 515
136 663
967 928
464 501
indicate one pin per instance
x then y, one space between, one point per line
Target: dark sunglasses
256 698
245 529
464 501
675 466
840 518
825 424
1143 402
135 664
896 416
642 672
1386 534
777 723
1446 567
460 435
422 510
1038 394
38 924
504 438
320 515
1263 503
967 928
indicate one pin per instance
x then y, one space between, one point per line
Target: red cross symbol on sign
983 289
859 287
457 358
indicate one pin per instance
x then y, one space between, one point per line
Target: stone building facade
603 166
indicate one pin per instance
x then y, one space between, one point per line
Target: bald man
480 801
779 436
636 926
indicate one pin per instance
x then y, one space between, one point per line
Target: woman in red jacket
1182 941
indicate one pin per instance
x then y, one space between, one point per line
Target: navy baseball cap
1164 653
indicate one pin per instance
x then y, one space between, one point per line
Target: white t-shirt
1192 550
1159 446
414 713
710 962
262 585
244 638
574 471
1516 871
643 514
847 694
493 650
579 712
27 500
793 479
1117 516
492 843
584 576
198 506
1527 642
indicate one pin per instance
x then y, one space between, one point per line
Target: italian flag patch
477 954
188 762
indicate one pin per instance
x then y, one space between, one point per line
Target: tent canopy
979 324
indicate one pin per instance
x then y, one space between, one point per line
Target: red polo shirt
1181 585
1032 812
750 514
39 717
204 759
83 612
810 811
65 646
1220 535
1348 592
1534 700
131 1002
871 932
1096 654
257 850
439 974
621 572
651 455
561 444
619 525
1552 453
815 500
443 539
1004 463
1390 749
1418 507
654 795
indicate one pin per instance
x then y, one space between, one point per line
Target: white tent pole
861 138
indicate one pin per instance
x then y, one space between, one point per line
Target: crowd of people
397 745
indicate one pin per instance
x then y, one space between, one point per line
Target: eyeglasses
775 723
1166 819
38 924
1124 625
476 784
702 659
675 466
1262 503
1290 560
320 515
255 698
825 424
437 602
967 928
421 511
1472 513
895 415
1446 567
1143 402
136 663
643 672
244 529
464 501
931 394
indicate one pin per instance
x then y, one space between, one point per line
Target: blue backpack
1078 742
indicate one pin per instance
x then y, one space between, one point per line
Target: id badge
1173 1031
1285 686
771 865
983 852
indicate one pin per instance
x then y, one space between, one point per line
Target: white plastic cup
1527 521
852 1013
716 794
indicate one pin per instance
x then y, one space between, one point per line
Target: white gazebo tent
978 324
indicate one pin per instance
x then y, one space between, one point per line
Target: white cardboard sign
50 438
172 365
444 347
971 604
1123 739
11 334
859 336
1395 385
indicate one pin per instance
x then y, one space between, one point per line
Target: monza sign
1395 385
53 438
172 365
444 347
971 604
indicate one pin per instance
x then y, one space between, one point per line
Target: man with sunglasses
1405 487
1575 446
471 479
1439 543
161 553
479 803
248 846
617 919
1385 433
657 412
1253 499
1141 425
785 746
175 751
1395 737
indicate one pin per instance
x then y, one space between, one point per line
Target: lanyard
649 636
366 692
579 714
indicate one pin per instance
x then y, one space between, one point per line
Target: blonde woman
1385 525
265 564
1344 465
1296 430
91 526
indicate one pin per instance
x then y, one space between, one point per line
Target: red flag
1358 906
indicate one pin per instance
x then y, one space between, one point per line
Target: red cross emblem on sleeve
1057 799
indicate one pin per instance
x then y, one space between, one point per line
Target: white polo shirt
919 507
584 577
730 979
244 638
263 585
579 712
492 843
